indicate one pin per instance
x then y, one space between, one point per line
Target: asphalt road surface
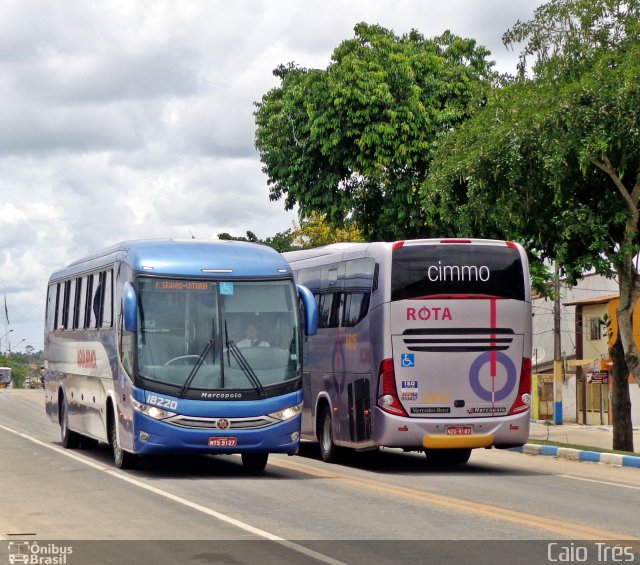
74 507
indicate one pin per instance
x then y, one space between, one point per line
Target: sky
133 119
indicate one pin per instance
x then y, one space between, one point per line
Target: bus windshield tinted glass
430 270
185 327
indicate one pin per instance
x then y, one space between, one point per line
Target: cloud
128 119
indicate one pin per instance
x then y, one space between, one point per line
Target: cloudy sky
124 119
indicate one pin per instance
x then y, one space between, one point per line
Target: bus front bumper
156 437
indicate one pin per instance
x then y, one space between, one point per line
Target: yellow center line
561 527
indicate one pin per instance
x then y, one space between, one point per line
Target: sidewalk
599 437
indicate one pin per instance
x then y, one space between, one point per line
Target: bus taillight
387 391
523 400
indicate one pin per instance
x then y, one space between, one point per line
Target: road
390 507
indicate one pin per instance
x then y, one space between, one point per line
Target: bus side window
96 303
81 303
337 314
89 321
356 307
77 300
52 300
63 311
71 307
107 300
325 302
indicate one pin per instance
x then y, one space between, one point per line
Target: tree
554 157
353 142
312 231
281 241
315 231
250 236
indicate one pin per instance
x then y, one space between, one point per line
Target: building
590 287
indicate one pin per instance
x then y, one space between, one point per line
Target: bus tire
70 439
442 457
254 462
123 459
330 451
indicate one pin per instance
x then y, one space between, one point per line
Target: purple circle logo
474 377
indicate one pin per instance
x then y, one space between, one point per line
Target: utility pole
558 369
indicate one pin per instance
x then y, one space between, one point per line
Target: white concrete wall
569 399
590 286
634 393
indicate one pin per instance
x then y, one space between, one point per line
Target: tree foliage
554 158
250 236
353 142
314 231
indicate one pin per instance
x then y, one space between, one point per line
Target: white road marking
116 473
608 483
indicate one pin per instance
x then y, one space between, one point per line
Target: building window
595 326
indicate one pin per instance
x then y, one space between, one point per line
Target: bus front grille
227 423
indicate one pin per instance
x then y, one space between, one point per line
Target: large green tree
554 158
353 142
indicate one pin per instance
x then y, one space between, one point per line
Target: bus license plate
223 441
459 430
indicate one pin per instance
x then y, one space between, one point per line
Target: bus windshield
197 336
431 270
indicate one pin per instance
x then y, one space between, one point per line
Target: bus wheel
254 462
441 457
70 439
123 459
330 451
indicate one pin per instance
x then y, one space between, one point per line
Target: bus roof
188 257
351 248
331 249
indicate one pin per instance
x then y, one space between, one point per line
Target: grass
580 447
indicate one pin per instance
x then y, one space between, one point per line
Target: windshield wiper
243 363
196 367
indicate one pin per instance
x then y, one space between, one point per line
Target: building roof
602 299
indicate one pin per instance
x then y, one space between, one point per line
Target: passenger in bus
252 338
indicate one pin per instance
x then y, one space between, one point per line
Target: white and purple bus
145 350
6 377
423 345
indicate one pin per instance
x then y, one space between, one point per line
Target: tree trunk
629 293
622 425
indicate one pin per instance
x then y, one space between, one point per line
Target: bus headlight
287 413
152 411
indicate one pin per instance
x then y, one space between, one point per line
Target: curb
615 459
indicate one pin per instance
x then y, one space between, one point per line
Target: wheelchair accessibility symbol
408 360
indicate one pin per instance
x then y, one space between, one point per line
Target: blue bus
146 350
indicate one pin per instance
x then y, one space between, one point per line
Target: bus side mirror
130 308
310 310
